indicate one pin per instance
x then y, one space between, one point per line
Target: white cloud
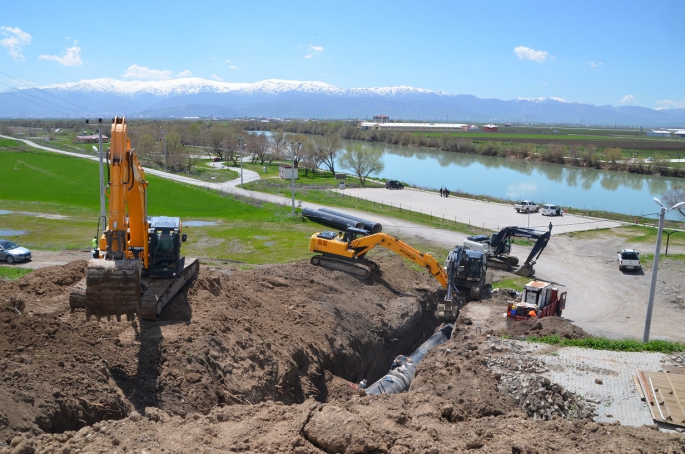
143 72
217 78
526 53
233 67
227 61
16 39
595 65
185 73
670 104
313 51
71 57
628 99
327 74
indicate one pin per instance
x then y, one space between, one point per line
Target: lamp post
241 163
292 171
652 287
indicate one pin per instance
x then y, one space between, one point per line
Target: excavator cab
165 246
475 265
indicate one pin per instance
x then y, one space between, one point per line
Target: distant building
90 139
286 172
507 125
679 133
381 118
489 128
656 133
473 128
365 125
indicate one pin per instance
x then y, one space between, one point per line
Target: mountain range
274 98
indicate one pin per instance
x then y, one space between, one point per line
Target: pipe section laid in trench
331 220
404 367
373 227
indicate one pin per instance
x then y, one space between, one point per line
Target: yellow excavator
463 275
137 267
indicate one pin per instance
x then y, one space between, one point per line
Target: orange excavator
463 275
137 267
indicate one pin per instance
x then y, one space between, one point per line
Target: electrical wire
47 93
33 102
34 96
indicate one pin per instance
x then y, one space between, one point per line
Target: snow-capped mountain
193 97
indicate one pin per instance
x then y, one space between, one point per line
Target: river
619 192
514 179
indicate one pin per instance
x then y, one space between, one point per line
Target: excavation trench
282 333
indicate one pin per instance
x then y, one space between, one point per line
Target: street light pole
241 163
652 287
292 172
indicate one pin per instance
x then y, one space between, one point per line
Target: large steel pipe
373 227
331 220
404 367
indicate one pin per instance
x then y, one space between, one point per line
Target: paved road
601 300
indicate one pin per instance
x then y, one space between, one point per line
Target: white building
286 172
657 133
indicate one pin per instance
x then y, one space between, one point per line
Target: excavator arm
541 239
348 252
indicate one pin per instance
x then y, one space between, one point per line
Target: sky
598 52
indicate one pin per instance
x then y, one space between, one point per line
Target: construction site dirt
264 361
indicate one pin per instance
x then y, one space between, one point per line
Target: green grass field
50 184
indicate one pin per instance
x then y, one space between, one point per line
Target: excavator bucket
113 288
525 271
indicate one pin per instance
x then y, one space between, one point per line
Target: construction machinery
497 248
463 275
137 267
539 299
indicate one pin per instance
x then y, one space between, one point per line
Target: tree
613 155
675 195
362 161
216 138
327 148
195 133
258 146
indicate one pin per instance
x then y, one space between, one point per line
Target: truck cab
526 206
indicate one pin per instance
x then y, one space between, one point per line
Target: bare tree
278 144
217 133
146 147
362 161
328 148
674 196
258 146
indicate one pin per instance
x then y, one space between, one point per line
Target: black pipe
373 227
403 368
330 220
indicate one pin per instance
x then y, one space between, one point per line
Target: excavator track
160 291
358 268
113 288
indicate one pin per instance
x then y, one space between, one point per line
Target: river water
619 192
604 190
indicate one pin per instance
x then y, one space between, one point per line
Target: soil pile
263 361
545 326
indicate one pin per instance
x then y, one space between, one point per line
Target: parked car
526 206
11 252
629 259
551 210
394 184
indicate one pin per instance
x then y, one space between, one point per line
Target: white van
551 210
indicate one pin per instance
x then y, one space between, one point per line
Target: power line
47 93
33 102
43 100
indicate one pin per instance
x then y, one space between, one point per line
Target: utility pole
163 133
102 171
241 162
292 172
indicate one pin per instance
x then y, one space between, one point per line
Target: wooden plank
638 385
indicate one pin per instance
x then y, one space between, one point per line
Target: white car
629 259
526 206
551 210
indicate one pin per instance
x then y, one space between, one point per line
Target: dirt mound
546 326
262 361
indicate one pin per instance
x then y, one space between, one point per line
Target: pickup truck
629 259
526 206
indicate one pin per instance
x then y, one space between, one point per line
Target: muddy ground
263 361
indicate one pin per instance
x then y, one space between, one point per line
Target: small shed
287 172
489 128
90 139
